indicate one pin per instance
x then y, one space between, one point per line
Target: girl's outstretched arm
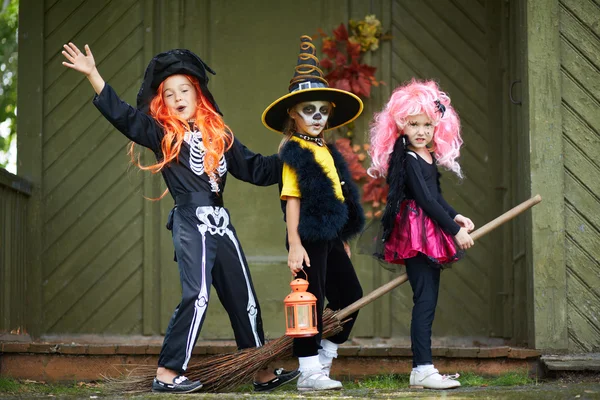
83 63
252 167
137 126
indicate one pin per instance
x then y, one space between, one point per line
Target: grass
467 380
380 382
23 387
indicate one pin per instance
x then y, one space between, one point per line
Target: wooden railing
14 199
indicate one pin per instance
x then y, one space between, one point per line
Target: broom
227 371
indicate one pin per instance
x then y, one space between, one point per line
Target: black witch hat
172 62
308 84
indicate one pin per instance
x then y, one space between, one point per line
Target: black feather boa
322 215
396 179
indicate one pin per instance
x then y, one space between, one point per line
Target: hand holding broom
490 226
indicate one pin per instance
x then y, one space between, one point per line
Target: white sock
309 363
423 368
328 351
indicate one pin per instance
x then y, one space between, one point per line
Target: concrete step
53 360
572 362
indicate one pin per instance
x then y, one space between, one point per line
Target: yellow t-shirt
323 158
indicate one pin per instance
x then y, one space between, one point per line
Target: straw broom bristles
227 371
224 371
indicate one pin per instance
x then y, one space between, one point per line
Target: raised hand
83 63
78 61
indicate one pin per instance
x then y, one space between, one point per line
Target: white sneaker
431 379
316 380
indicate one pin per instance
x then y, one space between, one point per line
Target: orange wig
216 135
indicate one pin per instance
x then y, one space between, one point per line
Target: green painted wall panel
580 63
105 247
92 203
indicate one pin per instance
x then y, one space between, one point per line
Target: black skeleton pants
331 276
208 252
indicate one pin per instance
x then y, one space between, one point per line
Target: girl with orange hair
178 119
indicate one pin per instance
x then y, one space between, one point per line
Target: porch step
572 362
67 361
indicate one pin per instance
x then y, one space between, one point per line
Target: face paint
311 117
419 131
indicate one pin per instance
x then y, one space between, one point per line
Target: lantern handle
303 271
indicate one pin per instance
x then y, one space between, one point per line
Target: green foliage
513 379
9 22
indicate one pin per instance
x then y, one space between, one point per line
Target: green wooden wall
104 261
92 208
580 81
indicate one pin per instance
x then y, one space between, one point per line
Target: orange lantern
300 310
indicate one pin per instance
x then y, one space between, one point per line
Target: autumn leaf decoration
344 69
374 189
342 56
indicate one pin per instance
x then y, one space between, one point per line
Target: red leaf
356 169
329 48
353 50
367 69
340 59
343 84
326 63
341 33
365 85
375 190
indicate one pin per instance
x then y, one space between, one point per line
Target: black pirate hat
308 84
176 61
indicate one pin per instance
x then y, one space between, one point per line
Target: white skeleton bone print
197 152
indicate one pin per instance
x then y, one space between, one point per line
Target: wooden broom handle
487 228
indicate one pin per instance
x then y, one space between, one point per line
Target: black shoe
281 378
180 384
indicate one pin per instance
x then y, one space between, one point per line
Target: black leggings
332 276
424 278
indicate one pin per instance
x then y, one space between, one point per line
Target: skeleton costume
330 210
207 249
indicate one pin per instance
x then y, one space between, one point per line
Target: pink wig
413 98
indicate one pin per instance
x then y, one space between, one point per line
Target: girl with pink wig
417 130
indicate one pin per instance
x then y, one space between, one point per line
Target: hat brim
348 107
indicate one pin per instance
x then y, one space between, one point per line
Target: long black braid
396 179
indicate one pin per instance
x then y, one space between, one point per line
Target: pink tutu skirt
414 232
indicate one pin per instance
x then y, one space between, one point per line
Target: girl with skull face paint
178 119
417 130
320 203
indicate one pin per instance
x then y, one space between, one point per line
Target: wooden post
542 103
29 146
